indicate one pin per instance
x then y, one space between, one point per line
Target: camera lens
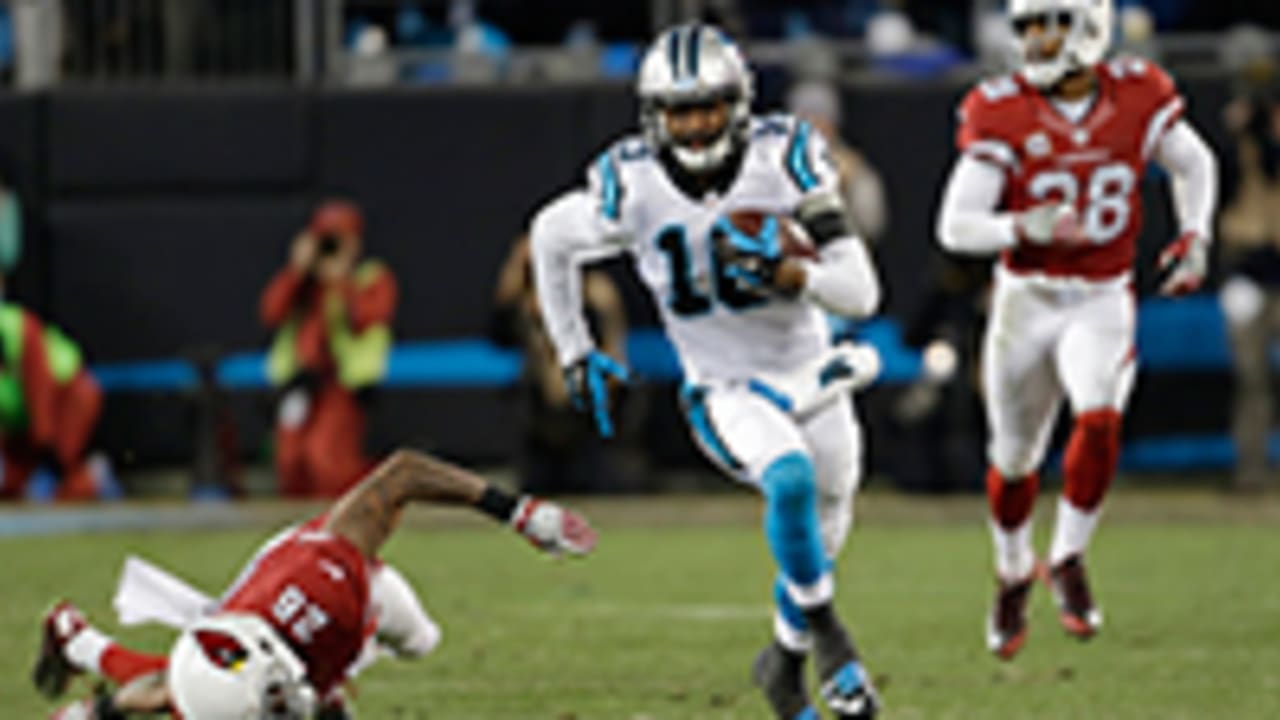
328 245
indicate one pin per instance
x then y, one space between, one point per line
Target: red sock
122 665
1091 458
1011 500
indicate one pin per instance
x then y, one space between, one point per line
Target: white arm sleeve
968 222
845 281
1194 168
563 234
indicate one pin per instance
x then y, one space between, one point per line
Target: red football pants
78 405
323 455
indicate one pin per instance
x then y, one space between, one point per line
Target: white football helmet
236 667
688 65
1086 27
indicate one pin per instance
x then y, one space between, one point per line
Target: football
791 234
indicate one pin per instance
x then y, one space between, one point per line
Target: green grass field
663 621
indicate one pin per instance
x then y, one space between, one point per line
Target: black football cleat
779 673
1077 612
1007 621
843 684
53 671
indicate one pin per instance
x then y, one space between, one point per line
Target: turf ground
662 622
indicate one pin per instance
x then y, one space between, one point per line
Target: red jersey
1097 163
313 588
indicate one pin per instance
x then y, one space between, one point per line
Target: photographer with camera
331 312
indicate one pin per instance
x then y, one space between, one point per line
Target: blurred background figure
216 468
818 103
1251 246
10 234
560 451
49 407
103 231
936 431
331 311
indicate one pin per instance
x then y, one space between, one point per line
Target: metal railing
108 42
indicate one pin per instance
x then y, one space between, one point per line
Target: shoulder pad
997 89
1140 74
1147 90
988 102
989 96
606 175
988 115
800 155
631 149
772 125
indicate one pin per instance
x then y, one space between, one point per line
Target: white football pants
743 433
1046 338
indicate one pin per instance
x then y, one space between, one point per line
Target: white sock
819 592
1072 531
797 641
86 648
1015 558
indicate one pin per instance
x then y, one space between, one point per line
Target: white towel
147 593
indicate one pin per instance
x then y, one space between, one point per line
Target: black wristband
498 503
104 708
826 226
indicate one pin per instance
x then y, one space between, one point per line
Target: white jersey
720 330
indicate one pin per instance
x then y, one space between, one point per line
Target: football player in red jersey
1049 174
295 624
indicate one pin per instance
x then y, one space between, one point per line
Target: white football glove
1051 224
1186 260
844 368
551 528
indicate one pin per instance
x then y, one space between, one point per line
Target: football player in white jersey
747 320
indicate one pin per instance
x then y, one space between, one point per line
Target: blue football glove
588 382
750 259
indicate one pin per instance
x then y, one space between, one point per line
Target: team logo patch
222 650
1038 145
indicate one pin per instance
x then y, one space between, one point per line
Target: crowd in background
448 41
331 309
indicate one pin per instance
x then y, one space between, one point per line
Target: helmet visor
1043 35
